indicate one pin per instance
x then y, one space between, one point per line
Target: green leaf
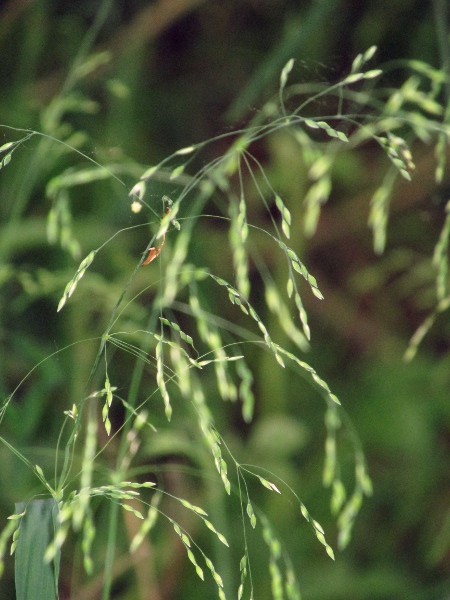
70 179
36 579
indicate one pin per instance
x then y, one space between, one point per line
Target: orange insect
155 252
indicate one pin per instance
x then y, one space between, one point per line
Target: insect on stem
155 252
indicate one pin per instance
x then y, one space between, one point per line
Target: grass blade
35 578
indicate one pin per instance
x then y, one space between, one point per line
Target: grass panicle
186 294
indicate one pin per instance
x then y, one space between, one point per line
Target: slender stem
132 398
73 435
110 550
87 43
441 15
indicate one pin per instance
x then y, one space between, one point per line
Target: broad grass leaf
35 578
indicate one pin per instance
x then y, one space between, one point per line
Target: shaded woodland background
182 71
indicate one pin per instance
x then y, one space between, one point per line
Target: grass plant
164 330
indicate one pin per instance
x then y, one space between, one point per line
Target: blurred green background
177 72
